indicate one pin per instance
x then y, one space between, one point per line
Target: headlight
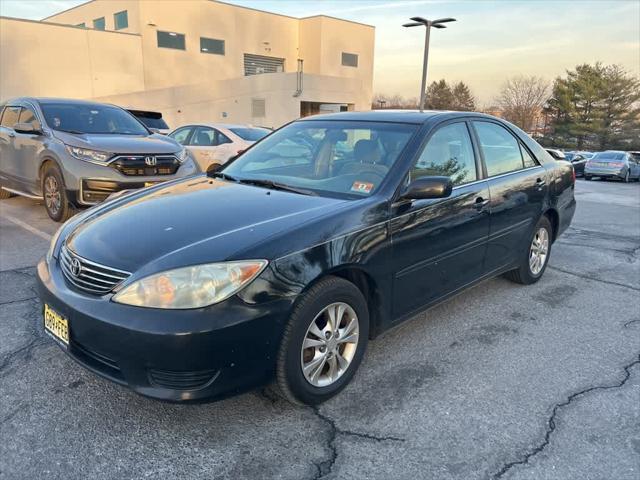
182 155
191 287
88 155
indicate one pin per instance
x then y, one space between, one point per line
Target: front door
518 185
9 161
27 146
439 244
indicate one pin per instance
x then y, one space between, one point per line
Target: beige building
192 60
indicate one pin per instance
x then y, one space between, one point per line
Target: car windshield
251 134
608 156
91 118
335 158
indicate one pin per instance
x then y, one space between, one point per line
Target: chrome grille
92 277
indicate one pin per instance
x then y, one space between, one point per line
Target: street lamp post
417 21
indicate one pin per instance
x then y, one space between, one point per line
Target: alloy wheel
539 251
330 344
52 196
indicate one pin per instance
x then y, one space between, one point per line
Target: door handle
540 183
481 203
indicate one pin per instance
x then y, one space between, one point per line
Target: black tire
587 177
4 194
290 378
523 273
53 184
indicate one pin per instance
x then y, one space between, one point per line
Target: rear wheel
54 193
534 260
323 343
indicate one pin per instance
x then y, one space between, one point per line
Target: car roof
395 116
219 125
50 100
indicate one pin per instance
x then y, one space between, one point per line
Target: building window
258 108
81 25
121 20
349 59
171 40
99 24
258 64
211 45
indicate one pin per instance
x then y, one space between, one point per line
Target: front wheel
323 343
55 194
534 260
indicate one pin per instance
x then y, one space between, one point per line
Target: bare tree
522 99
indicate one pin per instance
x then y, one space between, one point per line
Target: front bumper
174 355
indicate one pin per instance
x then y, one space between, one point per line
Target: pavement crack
10 302
325 467
551 422
595 279
24 352
631 322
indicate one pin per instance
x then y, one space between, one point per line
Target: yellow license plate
56 324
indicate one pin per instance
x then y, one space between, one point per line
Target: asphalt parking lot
502 382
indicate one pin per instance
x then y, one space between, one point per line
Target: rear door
518 185
27 146
9 161
439 244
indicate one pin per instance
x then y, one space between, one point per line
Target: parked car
613 164
76 153
152 120
274 270
216 143
579 160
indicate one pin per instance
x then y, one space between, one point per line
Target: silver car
76 153
613 164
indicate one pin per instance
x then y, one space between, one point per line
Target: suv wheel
534 259
323 343
55 194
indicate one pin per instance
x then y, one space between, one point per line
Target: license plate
56 325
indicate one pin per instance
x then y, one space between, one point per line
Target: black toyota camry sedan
283 264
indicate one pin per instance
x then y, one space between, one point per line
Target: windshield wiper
76 132
276 186
224 176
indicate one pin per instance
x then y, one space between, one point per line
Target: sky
491 40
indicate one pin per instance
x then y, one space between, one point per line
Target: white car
216 143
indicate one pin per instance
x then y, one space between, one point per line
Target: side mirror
557 154
214 167
27 128
428 187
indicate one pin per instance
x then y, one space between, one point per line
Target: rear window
609 156
250 134
153 122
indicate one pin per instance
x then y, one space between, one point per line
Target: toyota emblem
76 267
150 161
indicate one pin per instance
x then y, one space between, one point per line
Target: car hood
190 221
130 144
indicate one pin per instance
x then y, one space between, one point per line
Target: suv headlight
87 155
191 287
182 155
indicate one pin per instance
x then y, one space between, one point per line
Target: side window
10 116
204 137
448 153
221 138
181 136
529 161
28 116
501 149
